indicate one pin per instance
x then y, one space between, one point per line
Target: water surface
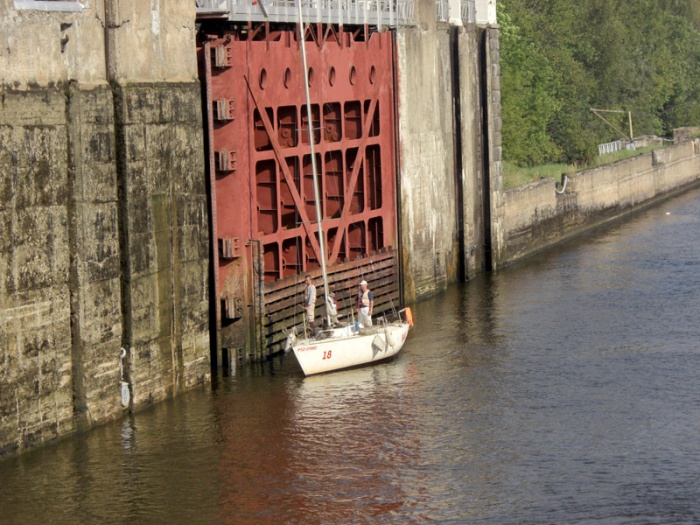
563 390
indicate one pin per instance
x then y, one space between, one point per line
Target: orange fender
409 317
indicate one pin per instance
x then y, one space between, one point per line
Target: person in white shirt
310 304
365 304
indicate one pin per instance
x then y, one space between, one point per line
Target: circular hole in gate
353 75
287 77
311 76
372 75
263 78
331 76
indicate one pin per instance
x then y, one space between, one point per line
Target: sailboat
352 345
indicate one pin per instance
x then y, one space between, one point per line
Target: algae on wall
69 296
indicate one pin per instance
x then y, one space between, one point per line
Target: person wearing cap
310 303
365 304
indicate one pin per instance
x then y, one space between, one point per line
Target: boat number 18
327 354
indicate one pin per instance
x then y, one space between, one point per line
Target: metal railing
609 147
37 5
211 7
351 12
468 11
442 10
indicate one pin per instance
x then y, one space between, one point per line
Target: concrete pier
103 222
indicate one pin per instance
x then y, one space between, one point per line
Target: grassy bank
514 176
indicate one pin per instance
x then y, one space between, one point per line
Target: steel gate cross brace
350 188
285 171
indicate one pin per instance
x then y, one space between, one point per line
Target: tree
527 99
642 57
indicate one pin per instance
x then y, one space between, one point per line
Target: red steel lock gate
265 236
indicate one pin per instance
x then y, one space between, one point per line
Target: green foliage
560 58
528 98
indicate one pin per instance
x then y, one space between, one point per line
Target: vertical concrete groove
214 341
74 162
485 146
123 227
458 166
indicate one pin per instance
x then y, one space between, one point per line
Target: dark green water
564 390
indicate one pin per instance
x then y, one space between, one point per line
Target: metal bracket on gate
222 57
226 160
223 110
232 308
229 247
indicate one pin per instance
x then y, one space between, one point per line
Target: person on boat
365 304
332 309
309 304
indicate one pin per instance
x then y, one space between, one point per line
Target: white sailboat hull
344 348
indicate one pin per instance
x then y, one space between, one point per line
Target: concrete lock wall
103 224
426 152
442 149
537 217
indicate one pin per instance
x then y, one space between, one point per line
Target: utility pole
629 117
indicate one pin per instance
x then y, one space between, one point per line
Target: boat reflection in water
334 427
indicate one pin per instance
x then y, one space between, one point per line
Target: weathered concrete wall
103 227
60 311
493 196
93 248
36 396
471 155
45 48
441 214
428 215
164 238
684 134
151 41
537 217
162 195
448 164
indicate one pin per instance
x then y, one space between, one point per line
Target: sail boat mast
321 235
339 347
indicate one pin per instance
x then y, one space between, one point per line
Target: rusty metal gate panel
263 207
